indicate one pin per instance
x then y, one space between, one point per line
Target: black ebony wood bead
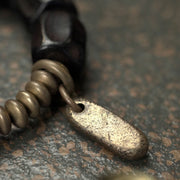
60 36
32 9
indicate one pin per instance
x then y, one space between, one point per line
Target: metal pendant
110 130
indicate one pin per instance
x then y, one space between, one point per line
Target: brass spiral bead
30 102
18 113
58 70
40 92
5 121
45 78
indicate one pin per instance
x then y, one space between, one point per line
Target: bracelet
58 54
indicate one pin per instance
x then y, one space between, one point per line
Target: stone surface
132 69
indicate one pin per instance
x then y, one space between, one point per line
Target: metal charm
109 129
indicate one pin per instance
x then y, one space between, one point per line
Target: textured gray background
132 69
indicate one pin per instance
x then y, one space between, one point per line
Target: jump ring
75 107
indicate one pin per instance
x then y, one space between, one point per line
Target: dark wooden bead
32 9
60 36
4 3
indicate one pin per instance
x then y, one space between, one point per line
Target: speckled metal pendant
110 130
